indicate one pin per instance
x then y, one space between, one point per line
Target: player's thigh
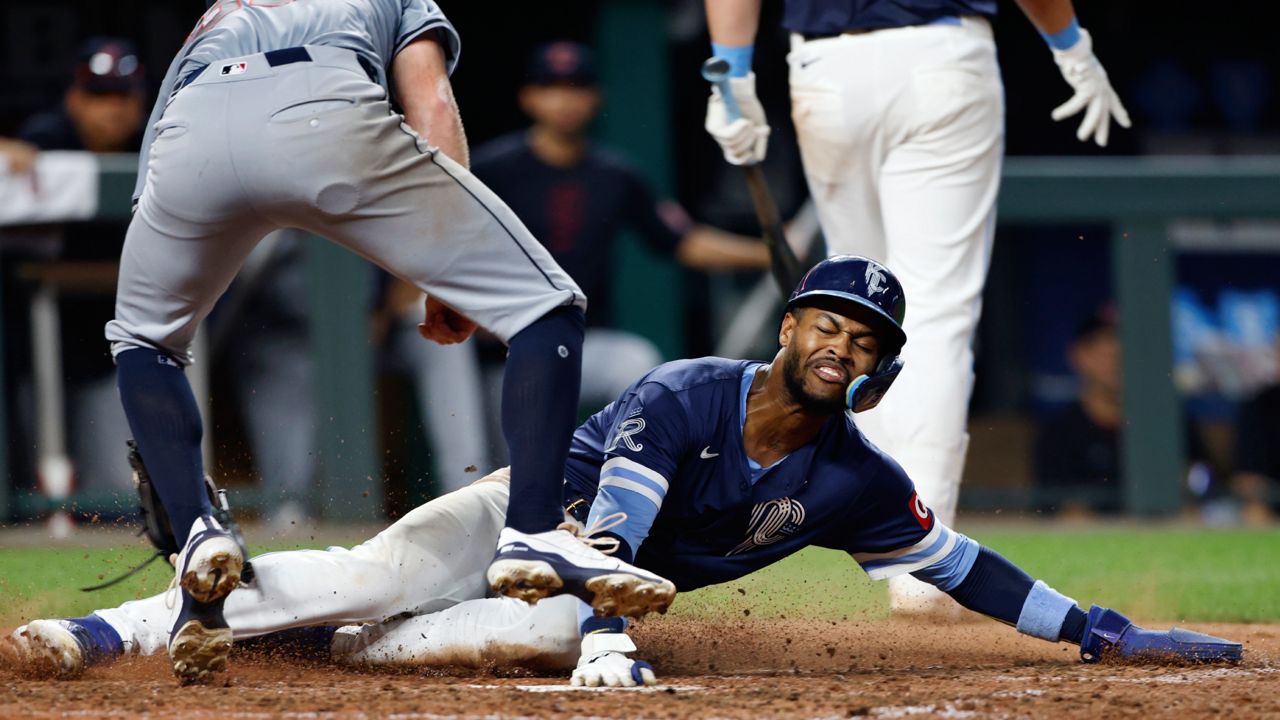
441 549
427 219
836 111
172 271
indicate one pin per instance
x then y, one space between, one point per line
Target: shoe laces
603 545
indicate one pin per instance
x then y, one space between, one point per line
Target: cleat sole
527 580
214 577
45 652
626 595
198 652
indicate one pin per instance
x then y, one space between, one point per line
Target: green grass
1153 574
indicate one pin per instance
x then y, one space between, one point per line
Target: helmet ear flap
866 391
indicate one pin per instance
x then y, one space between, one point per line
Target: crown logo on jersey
771 521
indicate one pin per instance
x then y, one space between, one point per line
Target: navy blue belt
276 58
945 20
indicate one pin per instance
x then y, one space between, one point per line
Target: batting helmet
868 284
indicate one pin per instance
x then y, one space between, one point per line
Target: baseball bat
786 269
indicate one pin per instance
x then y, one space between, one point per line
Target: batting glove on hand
1082 71
603 662
744 140
1108 634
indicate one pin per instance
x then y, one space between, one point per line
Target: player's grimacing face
823 352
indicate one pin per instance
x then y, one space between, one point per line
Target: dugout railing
1136 197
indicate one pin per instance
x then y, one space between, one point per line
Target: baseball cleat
48 648
63 648
209 569
533 566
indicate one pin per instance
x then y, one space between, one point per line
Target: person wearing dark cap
1077 452
576 196
102 111
104 106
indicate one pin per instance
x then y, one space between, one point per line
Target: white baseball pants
902 132
429 564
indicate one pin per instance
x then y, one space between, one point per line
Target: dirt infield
745 669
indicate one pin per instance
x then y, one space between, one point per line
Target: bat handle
716 71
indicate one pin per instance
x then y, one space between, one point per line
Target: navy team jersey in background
577 212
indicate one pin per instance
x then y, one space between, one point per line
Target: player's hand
17 155
744 140
444 324
604 663
1093 93
1110 635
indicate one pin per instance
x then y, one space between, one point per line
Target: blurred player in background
101 111
577 196
1077 451
899 113
1256 482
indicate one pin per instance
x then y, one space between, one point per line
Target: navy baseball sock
97 638
166 424
539 410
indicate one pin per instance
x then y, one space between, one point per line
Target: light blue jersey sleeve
642 451
942 558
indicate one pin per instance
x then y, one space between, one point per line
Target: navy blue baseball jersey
831 17
578 211
669 454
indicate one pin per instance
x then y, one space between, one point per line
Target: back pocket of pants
310 107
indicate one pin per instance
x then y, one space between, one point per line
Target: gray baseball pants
246 149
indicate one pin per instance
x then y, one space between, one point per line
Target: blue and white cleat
1110 635
533 566
64 648
208 569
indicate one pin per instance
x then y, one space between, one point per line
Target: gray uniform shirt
374 29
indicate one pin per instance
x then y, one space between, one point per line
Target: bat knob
715 69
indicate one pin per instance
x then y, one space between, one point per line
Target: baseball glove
155 521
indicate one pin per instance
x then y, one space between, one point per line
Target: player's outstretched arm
420 74
997 588
1072 49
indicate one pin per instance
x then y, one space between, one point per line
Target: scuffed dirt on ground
743 669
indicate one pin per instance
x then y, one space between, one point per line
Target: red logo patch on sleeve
920 512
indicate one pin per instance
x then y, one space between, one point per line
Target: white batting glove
1082 71
604 663
744 140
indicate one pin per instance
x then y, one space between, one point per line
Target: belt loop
287 56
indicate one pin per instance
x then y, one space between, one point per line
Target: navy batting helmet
868 284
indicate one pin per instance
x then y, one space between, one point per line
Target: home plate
583 688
